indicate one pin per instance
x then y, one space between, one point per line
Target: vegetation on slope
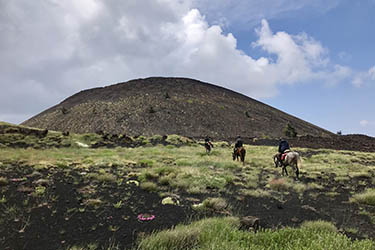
81 197
224 233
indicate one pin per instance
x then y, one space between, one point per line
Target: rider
238 144
283 146
207 141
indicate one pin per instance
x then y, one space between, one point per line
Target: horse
292 159
239 153
208 145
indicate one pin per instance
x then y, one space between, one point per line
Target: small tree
289 131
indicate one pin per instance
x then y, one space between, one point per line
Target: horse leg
297 173
243 157
284 169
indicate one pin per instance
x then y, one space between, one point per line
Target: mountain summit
169 106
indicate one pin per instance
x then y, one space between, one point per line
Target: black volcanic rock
169 106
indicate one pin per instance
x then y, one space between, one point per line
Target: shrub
39 191
217 204
165 180
146 163
3 181
93 202
149 186
102 177
319 225
147 176
259 193
279 184
289 131
366 197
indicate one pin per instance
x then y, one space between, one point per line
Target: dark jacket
283 145
239 143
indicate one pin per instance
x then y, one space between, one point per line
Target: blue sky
313 59
347 32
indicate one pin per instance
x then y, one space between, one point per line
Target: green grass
186 168
367 197
149 186
224 233
319 226
189 169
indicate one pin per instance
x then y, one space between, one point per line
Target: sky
314 59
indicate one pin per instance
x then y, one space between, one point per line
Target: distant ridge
161 106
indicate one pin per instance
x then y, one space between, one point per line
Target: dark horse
239 153
208 145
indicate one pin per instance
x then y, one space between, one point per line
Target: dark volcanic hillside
169 106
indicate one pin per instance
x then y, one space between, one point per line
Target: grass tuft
279 184
3 181
367 197
149 186
319 225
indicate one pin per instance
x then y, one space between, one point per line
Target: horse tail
299 162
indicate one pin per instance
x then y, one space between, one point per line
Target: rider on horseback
283 147
208 142
238 144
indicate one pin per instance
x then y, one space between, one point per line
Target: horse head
277 161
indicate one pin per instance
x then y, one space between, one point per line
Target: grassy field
80 184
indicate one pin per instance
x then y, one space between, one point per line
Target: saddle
284 154
238 150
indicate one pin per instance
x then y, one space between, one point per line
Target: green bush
289 131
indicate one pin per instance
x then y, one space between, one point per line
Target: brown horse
208 145
239 153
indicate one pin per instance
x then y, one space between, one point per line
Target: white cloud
366 123
363 78
52 49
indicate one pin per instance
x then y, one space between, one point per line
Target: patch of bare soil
54 209
65 215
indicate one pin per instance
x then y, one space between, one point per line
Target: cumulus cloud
52 49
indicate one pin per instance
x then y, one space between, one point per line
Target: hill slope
169 106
